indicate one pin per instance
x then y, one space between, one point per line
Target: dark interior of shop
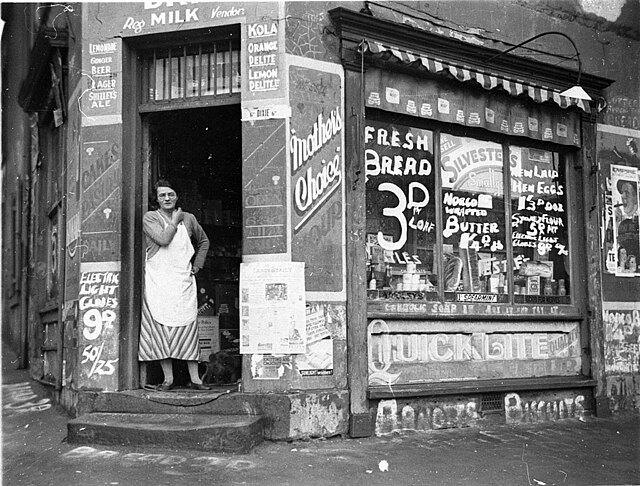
200 151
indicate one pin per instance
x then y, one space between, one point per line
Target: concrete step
214 433
214 402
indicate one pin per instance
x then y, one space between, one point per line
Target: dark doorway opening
200 151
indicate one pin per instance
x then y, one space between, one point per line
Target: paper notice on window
272 308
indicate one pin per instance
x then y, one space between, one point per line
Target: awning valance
456 103
488 80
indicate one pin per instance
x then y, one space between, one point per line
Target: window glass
539 226
401 222
473 219
470 251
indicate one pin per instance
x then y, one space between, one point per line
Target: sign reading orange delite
262 57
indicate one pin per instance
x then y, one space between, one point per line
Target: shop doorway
200 151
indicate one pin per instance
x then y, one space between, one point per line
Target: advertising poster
272 308
626 235
317 166
318 359
619 184
269 367
208 336
622 338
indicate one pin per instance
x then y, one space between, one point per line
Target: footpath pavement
569 452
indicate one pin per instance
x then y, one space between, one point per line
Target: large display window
401 214
459 219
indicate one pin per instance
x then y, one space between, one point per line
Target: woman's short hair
164 183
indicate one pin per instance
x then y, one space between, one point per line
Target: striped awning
488 80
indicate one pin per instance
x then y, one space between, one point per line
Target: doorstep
213 433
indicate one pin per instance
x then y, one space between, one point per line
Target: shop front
205 96
472 290
399 218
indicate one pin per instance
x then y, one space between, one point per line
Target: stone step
214 402
214 433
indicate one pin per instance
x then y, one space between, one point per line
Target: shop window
449 234
540 228
194 71
401 229
473 215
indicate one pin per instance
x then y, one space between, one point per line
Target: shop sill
479 386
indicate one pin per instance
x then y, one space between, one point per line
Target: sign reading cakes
262 57
103 84
315 154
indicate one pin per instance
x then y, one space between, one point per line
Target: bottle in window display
387 278
562 290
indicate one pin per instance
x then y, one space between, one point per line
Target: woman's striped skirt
160 342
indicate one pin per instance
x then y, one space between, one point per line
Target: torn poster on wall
622 337
318 359
269 367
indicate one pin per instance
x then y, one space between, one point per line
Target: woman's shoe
198 386
164 387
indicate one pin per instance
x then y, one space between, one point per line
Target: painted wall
409 352
423 414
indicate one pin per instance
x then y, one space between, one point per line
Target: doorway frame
135 191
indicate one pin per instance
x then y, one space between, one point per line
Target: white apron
170 289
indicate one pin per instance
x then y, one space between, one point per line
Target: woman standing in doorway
169 327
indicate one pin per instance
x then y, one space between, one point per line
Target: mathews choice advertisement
316 157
